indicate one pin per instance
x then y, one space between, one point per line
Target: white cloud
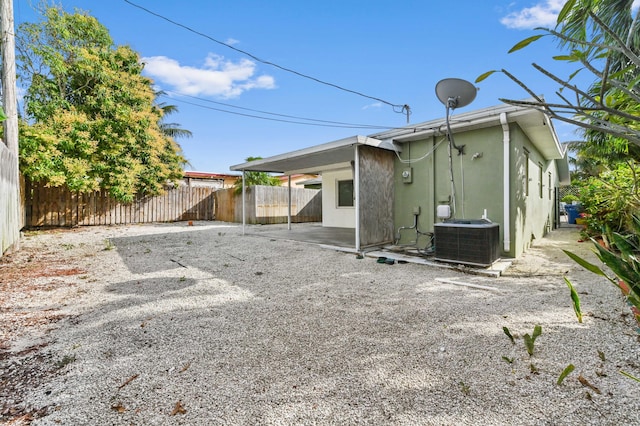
543 14
232 41
374 105
217 77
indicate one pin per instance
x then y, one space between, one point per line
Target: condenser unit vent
469 242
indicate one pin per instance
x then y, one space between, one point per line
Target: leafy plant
66 360
575 299
569 198
622 259
108 245
565 373
509 335
255 178
624 373
508 360
529 341
611 198
464 388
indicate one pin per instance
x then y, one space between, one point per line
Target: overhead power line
311 121
403 108
285 119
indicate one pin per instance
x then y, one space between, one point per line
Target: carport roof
316 158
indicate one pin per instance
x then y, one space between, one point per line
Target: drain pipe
356 190
243 200
506 215
289 206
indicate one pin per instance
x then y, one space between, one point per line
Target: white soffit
314 159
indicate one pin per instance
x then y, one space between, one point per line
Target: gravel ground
199 325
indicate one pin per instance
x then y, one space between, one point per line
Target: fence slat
61 207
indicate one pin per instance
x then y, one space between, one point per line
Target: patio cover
315 159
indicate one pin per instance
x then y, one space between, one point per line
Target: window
550 188
345 193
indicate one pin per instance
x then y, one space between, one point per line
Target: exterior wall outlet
407 175
416 210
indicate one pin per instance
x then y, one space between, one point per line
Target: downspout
506 200
356 190
243 201
289 210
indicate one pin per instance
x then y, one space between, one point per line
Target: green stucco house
503 167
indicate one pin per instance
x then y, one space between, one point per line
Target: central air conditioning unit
468 242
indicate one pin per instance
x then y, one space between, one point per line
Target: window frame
339 183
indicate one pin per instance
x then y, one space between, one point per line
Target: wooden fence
10 222
61 207
269 204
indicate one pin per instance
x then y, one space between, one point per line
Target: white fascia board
483 118
266 164
438 126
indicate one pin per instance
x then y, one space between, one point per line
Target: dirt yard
176 324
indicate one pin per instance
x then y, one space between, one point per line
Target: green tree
171 130
91 122
256 178
603 38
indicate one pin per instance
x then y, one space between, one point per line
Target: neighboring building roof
314 159
207 175
316 181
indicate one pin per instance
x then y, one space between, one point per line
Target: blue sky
391 52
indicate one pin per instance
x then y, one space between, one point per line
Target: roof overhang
317 158
533 122
564 175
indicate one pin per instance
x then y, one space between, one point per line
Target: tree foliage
256 178
172 130
91 122
603 38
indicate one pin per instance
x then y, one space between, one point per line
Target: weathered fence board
61 207
10 218
269 204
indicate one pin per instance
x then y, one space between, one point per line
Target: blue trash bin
572 213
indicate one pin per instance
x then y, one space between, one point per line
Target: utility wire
403 108
318 123
338 123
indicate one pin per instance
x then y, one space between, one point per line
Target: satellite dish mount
455 93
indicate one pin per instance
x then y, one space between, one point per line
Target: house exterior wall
532 199
478 177
332 215
416 192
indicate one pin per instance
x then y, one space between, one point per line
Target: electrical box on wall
407 175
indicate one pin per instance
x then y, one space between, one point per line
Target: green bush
611 199
623 260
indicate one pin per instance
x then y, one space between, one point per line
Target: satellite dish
455 92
